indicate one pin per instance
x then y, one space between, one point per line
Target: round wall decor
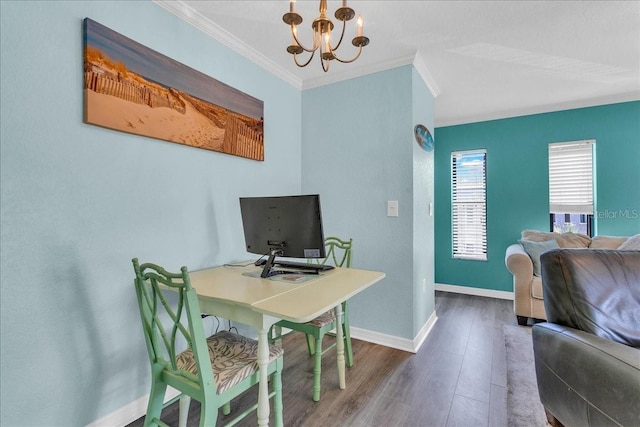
423 137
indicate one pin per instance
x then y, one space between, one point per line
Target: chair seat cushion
324 319
233 358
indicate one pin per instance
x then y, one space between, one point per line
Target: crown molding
541 109
354 72
421 68
196 19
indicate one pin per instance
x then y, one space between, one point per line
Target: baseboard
424 331
474 291
411 346
131 412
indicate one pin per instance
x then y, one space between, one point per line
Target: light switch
431 209
392 208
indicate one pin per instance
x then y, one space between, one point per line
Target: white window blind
571 177
469 204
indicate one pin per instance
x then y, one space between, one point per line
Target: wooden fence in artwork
127 90
241 140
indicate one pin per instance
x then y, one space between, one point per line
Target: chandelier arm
350 60
322 62
295 38
295 59
322 27
344 25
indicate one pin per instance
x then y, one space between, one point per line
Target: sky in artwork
163 70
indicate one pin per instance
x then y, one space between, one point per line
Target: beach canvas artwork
131 88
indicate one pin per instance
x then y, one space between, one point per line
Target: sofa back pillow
606 242
565 240
535 249
631 244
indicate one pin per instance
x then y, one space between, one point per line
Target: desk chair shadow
338 253
211 370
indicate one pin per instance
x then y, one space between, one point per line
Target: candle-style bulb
360 25
292 4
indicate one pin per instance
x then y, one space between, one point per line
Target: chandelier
322 27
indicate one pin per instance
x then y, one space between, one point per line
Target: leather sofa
528 301
587 356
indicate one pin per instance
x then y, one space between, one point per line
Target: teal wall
517 181
79 201
358 153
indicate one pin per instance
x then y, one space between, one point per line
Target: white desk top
296 302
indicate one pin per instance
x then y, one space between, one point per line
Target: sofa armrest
519 263
584 379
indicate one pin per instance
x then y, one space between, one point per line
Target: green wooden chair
338 253
211 370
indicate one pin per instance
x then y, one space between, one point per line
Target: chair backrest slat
337 252
172 321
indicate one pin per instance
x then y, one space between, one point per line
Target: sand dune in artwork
190 128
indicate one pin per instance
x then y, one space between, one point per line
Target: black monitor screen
289 226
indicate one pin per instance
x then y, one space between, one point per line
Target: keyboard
299 265
278 272
303 266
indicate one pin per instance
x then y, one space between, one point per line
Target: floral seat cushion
324 319
233 358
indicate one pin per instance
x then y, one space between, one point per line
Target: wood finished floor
458 378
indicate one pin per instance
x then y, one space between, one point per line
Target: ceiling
481 59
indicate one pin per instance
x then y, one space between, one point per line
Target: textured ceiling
483 60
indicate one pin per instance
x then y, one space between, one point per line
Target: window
469 204
571 186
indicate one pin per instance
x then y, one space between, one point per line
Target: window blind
469 204
571 177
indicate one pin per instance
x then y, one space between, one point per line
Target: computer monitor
285 226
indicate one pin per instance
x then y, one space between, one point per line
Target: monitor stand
270 261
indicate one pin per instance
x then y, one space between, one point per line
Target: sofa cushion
606 242
631 244
594 290
536 288
535 249
565 240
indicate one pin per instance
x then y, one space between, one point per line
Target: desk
226 292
